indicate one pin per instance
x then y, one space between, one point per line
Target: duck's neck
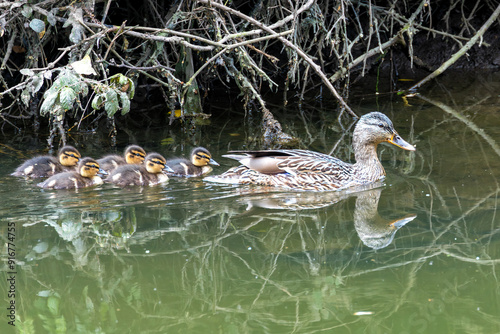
367 166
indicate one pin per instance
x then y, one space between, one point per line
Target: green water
195 257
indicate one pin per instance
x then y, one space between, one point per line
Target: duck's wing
290 161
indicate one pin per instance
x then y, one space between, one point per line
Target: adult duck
308 170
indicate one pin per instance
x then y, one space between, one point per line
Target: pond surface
195 257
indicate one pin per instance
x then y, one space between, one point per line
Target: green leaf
76 34
111 104
67 98
27 11
37 83
131 89
123 83
125 102
98 101
26 96
60 324
49 100
27 71
37 25
53 305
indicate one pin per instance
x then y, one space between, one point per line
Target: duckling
133 154
198 166
46 165
150 173
86 176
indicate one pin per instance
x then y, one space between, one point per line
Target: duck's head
89 168
135 154
155 163
69 156
201 157
375 128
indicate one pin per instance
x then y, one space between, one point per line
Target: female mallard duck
86 176
307 170
47 165
198 166
133 155
150 173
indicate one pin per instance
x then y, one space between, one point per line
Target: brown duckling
133 155
198 166
150 173
86 176
309 170
47 165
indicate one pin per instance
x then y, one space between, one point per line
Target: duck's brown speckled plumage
308 170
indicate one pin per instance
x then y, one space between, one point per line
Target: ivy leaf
67 97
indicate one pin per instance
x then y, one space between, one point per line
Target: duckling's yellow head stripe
201 159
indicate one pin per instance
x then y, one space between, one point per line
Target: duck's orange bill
400 142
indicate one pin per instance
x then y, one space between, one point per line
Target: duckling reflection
373 230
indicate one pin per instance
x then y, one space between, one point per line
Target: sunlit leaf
47 74
48 102
27 71
37 25
67 98
37 83
84 66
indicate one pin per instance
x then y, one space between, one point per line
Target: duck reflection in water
373 230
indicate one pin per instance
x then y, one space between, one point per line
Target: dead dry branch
191 49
